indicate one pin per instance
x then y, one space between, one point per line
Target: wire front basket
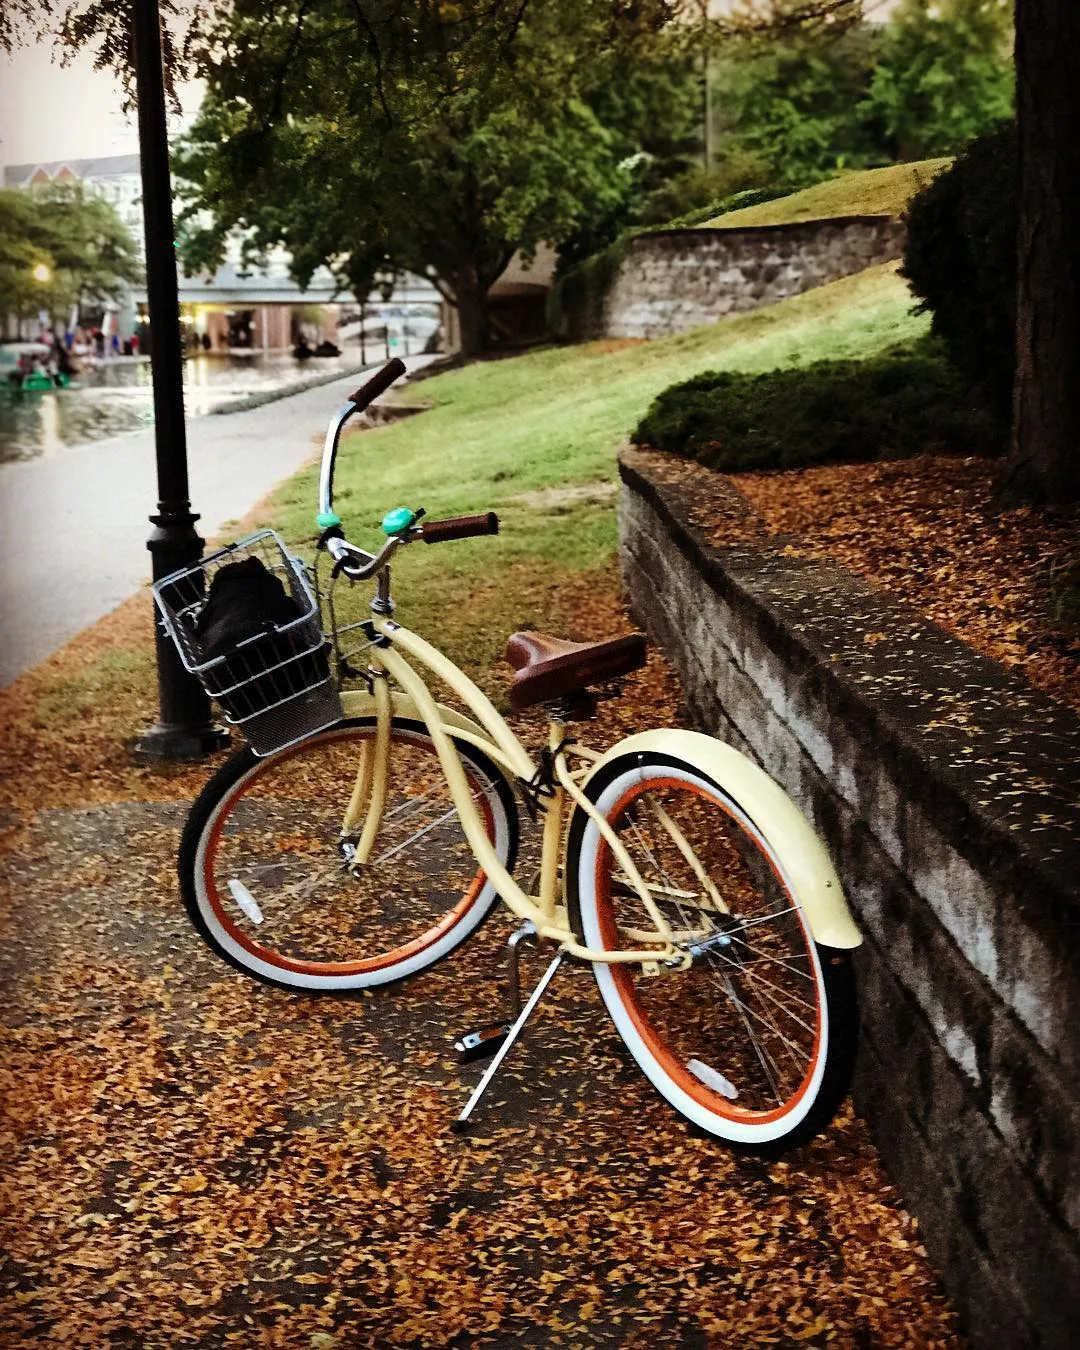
275 685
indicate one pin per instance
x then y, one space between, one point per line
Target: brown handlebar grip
459 527
378 384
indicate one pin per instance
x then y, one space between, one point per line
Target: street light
42 272
184 729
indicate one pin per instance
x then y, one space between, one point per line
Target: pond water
116 397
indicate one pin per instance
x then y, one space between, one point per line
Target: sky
49 112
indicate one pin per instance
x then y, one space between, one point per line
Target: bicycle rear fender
802 856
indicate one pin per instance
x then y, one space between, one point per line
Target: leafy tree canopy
943 76
189 26
789 107
438 140
852 95
59 246
373 134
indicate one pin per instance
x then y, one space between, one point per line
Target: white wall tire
265 887
763 981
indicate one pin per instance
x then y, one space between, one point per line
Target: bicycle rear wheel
753 1042
266 881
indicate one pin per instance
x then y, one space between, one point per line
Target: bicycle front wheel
754 1040
265 875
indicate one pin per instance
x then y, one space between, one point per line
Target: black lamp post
184 729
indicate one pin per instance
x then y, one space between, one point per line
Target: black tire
265 883
755 1042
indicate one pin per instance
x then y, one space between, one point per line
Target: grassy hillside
862 192
516 434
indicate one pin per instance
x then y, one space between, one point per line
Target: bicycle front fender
806 865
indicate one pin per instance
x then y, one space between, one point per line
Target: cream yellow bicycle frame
814 880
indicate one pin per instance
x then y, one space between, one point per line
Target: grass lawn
515 435
533 437
860 192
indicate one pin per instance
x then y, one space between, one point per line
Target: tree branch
376 51
516 24
283 67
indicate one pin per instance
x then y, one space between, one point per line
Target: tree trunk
1044 458
471 296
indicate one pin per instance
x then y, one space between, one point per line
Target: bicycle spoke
762 984
773 960
764 994
274 884
773 1073
736 966
419 834
411 804
793 1047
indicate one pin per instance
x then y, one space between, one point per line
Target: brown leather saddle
550 668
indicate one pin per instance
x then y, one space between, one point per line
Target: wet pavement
116 396
74 524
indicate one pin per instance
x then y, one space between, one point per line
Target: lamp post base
184 730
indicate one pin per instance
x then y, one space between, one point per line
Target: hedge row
907 400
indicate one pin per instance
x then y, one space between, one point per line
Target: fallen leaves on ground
928 530
194 1159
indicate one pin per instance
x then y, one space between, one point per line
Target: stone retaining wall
947 791
671 280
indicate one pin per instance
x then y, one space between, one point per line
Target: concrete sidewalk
73 526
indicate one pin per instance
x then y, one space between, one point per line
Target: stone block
984 1224
1037 1114
1039 980
991 1305
674 280
965 901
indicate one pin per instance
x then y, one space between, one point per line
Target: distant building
112 177
238 307
262 309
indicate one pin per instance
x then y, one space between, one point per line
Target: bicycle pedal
481 1044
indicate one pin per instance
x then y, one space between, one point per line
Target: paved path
191 1158
73 526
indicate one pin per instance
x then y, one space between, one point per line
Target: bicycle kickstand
510 1037
480 1044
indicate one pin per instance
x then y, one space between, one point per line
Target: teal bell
398 521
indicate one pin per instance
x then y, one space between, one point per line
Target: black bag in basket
245 600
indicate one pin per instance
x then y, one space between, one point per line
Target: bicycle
367 845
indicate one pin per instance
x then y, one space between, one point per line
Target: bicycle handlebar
378 384
356 562
356 402
459 527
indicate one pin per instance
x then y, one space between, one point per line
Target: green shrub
690 192
961 262
907 401
575 303
721 205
